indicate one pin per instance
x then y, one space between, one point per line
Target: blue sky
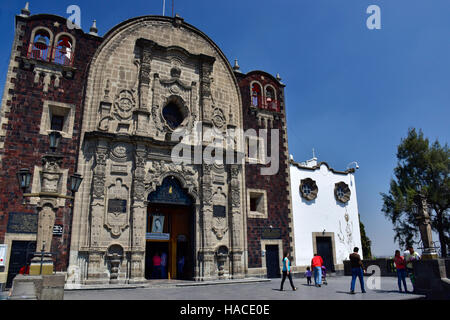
352 93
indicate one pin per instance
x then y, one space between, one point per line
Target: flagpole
164 7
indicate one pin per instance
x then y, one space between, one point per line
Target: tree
422 167
365 241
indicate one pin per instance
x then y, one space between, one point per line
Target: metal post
42 260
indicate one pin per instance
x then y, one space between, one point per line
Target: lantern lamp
75 181
55 138
24 177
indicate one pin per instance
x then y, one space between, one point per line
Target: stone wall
276 187
144 65
31 84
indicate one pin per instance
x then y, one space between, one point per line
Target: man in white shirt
410 256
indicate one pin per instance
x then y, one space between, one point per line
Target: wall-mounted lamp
356 165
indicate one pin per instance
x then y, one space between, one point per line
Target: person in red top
316 266
156 266
25 270
400 265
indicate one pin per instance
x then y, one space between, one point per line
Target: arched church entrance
170 232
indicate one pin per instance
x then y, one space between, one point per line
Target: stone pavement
337 289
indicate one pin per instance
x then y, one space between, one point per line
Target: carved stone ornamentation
124 105
120 152
218 118
219 225
116 219
161 169
46 222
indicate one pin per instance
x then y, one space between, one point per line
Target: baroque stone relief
120 152
219 224
160 169
346 236
124 105
116 217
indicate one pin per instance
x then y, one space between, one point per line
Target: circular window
342 192
308 189
173 116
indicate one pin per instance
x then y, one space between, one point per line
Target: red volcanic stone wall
278 198
24 146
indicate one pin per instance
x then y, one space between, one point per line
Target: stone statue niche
221 257
114 258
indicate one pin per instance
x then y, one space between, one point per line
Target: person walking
357 270
308 275
410 256
400 265
164 265
287 271
316 266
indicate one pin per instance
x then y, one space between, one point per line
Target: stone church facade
118 101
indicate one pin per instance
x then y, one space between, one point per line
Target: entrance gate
170 232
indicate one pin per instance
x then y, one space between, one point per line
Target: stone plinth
43 287
431 279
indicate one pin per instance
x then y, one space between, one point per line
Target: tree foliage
365 241
422 167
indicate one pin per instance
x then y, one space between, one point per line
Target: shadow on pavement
347 292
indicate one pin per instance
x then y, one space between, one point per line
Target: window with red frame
40 47
64 51
270 98
256 95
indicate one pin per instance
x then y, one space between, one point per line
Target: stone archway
170 234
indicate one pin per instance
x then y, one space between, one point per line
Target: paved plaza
337 289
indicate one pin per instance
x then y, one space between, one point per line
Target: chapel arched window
40 46
271 101
256 95
64 51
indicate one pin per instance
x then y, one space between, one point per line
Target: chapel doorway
170 233
20 257
325 250
272 261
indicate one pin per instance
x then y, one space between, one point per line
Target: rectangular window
57 116
57 123
257 203
253 203
255 150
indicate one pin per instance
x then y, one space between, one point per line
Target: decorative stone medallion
120 151
218 118
124 105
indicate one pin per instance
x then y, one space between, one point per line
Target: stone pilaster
97 211
236 221
206 69
139 212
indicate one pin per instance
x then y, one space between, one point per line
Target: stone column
141 115
95 269
206 69
424 221
236 221
138 212
207 251
50 182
